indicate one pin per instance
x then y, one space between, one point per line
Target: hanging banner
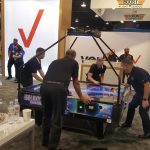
120 4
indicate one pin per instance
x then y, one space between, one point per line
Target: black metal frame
94 36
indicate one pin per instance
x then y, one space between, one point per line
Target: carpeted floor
122 139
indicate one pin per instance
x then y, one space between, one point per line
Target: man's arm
102 78
89 77
145 102
41 73
82 97
37 77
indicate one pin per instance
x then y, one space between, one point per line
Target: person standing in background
11 52
18 58
124 56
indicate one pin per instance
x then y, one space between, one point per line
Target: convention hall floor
122 139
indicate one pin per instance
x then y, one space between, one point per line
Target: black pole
108 47
119 80
73 42
19 86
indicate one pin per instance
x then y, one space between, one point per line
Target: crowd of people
56 81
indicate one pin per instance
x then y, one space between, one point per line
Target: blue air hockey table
103 107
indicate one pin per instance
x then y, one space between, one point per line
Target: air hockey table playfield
78 116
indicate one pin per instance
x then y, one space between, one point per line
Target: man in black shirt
96 72
31 68
140 80
122 57
29 71
54 94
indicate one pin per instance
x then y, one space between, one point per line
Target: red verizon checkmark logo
135 61
27 40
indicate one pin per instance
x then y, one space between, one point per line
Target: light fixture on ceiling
134 21
122 21
107 23
96 16
76 20
83 4
87 26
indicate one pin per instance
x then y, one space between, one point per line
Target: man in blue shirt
140 81
18 58
11 52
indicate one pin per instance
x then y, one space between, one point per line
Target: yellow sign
130 3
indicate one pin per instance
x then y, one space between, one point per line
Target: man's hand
145 103
85 99
96 82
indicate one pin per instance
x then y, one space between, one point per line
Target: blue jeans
137 101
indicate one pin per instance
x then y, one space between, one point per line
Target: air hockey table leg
100 127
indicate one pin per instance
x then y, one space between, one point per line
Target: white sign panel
120 4
35 24
138 43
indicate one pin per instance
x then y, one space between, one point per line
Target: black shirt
62 70
138 77
97 72
123 56
112 58
31 67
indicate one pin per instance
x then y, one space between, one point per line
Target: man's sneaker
144 136
8 78
125 125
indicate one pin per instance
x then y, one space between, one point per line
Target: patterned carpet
121 139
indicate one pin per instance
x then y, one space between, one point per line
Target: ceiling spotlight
96 16
83 4
107 22
134 20
76 20
122 21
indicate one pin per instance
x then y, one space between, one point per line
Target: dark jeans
54 102
137 101
9 66
17 67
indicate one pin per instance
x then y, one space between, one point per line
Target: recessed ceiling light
122 21
134 20
76 20
96 16
83 4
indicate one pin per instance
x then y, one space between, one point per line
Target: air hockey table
78 116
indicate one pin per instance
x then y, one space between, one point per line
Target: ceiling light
76 20
87 26
96 16
134 20
83 4
107 22
122 21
